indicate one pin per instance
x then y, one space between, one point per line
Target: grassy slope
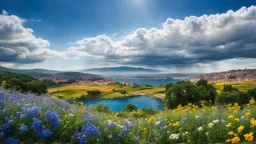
75 91
242 86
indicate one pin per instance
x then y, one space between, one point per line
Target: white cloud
18 44
193 40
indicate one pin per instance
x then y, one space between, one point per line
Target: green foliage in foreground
53 121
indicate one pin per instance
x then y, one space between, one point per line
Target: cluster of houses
228 76
98 82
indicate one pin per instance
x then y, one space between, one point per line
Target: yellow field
242 86
76 91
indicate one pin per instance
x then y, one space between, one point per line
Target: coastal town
227 76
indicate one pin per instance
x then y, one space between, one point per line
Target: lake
117 105
153 82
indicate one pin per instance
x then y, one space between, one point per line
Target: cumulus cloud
18 44
192 40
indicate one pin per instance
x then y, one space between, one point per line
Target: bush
94 92
130 108
101 108
226 97
202 82
123 92
168 86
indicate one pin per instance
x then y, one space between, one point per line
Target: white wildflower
210 125
215 121
174 136
200 128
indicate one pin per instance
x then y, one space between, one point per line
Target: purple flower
23 128
37 124
53 118
12 141
44 134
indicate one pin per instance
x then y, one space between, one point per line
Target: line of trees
185 92
22 83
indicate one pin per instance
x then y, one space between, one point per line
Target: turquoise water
117 105
153 82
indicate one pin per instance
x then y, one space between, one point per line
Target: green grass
76 91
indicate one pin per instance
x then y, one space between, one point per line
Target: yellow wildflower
235 140
176 124
144 129
150 119
116 114
231 133
228 140
230 116
252 101
248 113
249 137
239 129
253 122
237 119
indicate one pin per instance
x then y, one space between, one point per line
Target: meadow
107 91
26 118
242 86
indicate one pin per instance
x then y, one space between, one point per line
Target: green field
242 86
107 91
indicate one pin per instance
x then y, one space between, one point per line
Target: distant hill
119 70
28 71
52 74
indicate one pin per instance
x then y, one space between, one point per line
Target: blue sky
65 22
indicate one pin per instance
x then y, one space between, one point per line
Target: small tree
202 82
101 108
130 108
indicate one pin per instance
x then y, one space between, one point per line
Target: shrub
101 108
130 108
123 92
93 92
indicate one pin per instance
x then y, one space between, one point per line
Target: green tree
130 108
101 108
202 82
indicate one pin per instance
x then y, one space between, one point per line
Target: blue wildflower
44 134
90 129
6 128
18 115
1 134
30 112
12 141
159 124
52 118
110 124
23 128
128 124
135 138
81 137
37 124
88 119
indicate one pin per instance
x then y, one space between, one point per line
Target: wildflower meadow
26 118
